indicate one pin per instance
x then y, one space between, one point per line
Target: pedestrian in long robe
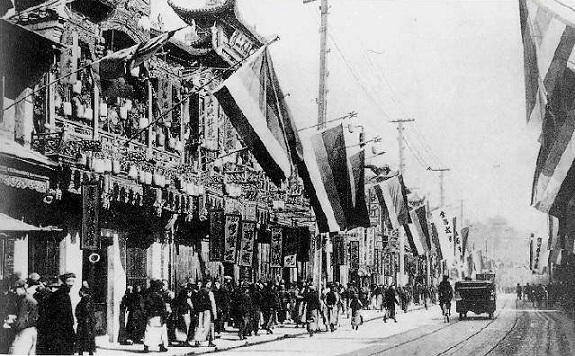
86 320
332 301
206 312
156 313
59 318
355 305
241 306
182 308
312 304
389 301
25 323
136 320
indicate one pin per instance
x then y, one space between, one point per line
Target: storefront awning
10 149
9 224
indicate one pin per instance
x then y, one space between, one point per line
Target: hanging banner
539 255
232 233
250 211
377 261
216 246
354 255
290 247
445 235
370 246
247 243
303 244
90 217
276 246
164 98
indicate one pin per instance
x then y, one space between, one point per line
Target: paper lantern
148 178
67 106
143 122
103 109
133 172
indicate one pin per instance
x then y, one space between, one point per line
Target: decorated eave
219 24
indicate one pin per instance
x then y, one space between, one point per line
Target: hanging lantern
103 109
128 104
143 122
77 87
67 106
160 139
133 172
88 114
142 176
123 112
116 167
148 178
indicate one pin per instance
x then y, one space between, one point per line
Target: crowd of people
39 318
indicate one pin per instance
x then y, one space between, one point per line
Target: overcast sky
456 67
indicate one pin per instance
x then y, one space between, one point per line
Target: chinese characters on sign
90 217
232 231
247 243
354 255
276 247
216 235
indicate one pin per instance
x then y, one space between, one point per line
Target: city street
517 329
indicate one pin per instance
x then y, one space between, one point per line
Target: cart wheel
461 316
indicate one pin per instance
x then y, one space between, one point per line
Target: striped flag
392 196
359 216
118 64
332 161
414 239
250 102
420 227
548 33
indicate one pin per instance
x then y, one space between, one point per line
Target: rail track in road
442 328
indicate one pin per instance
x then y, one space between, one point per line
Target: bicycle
445 311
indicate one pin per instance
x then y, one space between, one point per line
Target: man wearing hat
59 319
25 323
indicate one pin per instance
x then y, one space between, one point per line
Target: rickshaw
476 296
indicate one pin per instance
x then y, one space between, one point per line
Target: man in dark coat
86 330
389 302
59 319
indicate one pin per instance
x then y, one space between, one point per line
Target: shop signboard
231 235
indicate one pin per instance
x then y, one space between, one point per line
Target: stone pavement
229 340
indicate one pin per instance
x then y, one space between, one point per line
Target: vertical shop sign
90 217
354 254
276 247
247 243
232 232
216 250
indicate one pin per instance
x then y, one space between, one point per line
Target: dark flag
331 158
392 196
216 245
548 41
118 64
435 240
359 215
464 237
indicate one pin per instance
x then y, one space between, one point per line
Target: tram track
435 331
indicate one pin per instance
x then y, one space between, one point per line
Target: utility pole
322 97
441 180
401 236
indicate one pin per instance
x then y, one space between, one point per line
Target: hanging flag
90 239
393 199
290 247
276 246
457 250
435 241
249 100
303 244
539 255
120 63
216 244
548 39
354 255
478 261
231 234
414 239
359 215
246 252
445 234
331 158
420 227
464 238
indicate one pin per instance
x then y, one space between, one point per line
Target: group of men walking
38 317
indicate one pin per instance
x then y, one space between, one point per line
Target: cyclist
445 295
